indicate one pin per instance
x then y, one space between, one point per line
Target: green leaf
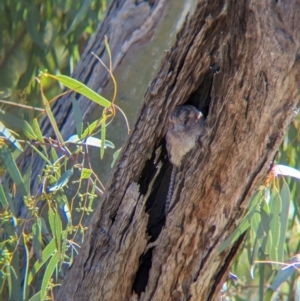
15 270
39 153
32 25
37 238
52 120
115 157
86 173
275 226
56 228
25 268
27 176
47 252
8 279
36 297
265 228
103 134
37 130
64 247
17 124
234 235
12 169
284 215
255 249
2 282
82 89
261 282
90 129
3 199
48 274
78 17
77 116
91 141
53 154
11 202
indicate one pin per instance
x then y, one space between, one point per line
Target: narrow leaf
115 157
12 169
27 176
53 154
39 153
77 116
56 228
3 199
82 89
37 238
103 134
47 252
63 247
17 124
24 293
91 128
235 235
36 297
48 274
287 171
52 119
77 19
37 130
91 141
284 214
275 226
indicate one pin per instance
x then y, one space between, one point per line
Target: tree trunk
238 61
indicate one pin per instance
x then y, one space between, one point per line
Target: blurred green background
37 35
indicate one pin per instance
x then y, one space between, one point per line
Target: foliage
267 267
36 250
35 35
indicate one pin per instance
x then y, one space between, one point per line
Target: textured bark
239 62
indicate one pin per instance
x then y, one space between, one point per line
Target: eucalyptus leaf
275 225
37 238
78 116
17 124
46 254
81 88
284 215
48 274
3 199
91 141
115 157
12 169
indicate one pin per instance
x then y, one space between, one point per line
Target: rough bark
239 62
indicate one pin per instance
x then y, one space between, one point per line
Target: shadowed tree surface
237 61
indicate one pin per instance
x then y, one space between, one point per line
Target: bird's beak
199 115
